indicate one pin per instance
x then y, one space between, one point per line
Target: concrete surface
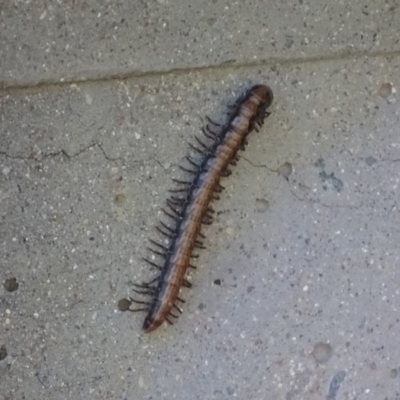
298 293
44 41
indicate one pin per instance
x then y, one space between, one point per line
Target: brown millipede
189 205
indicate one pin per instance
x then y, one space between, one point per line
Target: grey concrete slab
45 41
297 295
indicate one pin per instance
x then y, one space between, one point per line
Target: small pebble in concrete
11 284
385 90
124 304
285 170
322 352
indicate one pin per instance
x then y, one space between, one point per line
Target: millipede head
264 93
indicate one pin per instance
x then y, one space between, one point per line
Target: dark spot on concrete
202 306
119 199
370 160
230 391
320 163
11 284
362 323
43 379
217 282
331 180
124 304
322 352
250 289
289 41
262 205
373 366
285 170
211 21
394 373
336 382
385 90
3 352
289 395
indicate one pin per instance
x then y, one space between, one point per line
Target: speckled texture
44 41
298 294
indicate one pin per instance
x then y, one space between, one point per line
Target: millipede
189 205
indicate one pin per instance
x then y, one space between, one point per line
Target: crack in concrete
320 203
260 165
61 152
225 65
307 200
382 160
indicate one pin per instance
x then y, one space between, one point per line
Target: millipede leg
168 214
158 253
152 263
193 147
177 308
166 227
213 122
186 283
150 292
139 302
156 279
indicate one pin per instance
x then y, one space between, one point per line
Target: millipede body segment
189 208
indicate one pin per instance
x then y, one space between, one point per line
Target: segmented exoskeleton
188 206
